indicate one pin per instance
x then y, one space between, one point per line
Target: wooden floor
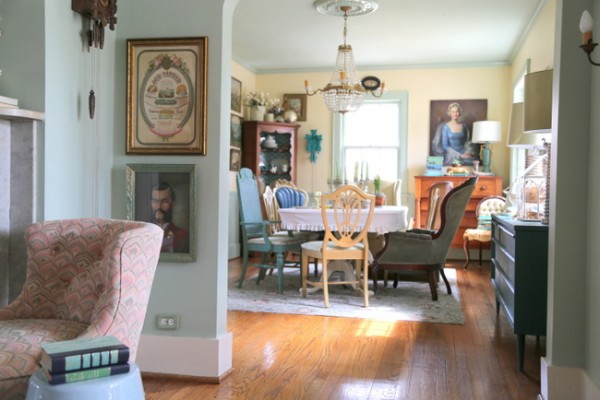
277 356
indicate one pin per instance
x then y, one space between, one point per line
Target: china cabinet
269 150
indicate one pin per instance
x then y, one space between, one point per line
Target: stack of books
434 166
83 359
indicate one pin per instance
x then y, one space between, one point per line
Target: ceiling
272 36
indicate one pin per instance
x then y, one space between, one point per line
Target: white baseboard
191 356
558 383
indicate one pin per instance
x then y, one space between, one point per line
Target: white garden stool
117 387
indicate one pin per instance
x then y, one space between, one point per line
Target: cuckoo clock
100 13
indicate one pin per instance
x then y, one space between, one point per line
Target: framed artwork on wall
235 159
451 128
166 96
236 96
165 194
297 103
235 126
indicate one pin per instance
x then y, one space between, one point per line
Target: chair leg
316 267
262 272
432 285
280 273
325 284
480 253
359 266
445 280
244 266
374 271
467 255
304 265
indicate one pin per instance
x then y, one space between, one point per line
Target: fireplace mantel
19 196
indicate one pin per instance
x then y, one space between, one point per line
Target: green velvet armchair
425 250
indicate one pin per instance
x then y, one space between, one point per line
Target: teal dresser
520 276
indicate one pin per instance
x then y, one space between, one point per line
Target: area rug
410 301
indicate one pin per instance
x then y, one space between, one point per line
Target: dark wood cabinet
520 276
486 186
269 150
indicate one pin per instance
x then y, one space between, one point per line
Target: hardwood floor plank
279 356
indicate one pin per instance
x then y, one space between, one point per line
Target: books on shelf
85 374
82 359
8 102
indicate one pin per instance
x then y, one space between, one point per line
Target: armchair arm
408 248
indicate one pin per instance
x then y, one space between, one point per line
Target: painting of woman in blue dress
452 137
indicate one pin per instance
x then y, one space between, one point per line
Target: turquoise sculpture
313 144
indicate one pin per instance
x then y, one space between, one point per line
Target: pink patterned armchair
85 278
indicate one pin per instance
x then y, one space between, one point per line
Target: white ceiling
290 35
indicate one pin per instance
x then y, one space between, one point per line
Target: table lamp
486 132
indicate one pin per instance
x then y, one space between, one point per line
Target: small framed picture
235 126
166 196
235 159
236 96
166 95
297 103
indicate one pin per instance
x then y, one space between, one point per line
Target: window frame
394 97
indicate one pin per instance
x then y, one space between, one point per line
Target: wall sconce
586 25
486 132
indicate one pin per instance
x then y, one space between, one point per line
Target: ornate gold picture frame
166 96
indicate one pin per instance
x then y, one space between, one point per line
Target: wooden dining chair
345 239
272 214
255 232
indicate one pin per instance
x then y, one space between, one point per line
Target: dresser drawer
506 296
505 263
504 238
484 188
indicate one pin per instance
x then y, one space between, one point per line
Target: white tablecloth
385 219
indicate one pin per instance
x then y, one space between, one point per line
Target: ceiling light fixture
344 92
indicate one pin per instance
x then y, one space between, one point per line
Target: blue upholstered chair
288 197
256 236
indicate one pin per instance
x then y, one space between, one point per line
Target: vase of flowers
379 196
258 103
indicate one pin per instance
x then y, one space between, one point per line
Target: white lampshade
516 133
537 109
487 131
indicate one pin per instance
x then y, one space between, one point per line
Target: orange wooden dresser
486 186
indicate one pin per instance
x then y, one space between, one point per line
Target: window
375 135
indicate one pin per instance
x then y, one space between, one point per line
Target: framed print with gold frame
166 96
165 195
297 103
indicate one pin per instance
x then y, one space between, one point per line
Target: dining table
385 219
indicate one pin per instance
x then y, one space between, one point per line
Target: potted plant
379 196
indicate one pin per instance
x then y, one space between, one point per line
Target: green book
81 354
84 375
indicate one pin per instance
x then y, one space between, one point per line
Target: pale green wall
592 344
196 291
